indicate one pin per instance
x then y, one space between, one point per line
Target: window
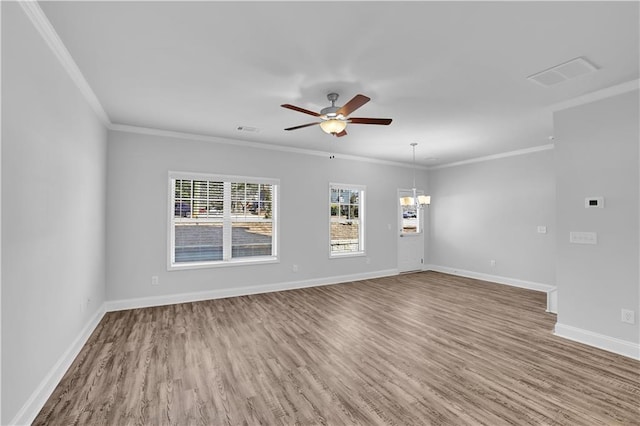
221 220
346 211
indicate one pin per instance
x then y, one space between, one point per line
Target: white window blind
217 220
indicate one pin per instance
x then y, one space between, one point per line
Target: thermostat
594 203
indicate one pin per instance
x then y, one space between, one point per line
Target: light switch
583 238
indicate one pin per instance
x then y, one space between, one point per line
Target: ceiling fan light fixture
333 126
334 119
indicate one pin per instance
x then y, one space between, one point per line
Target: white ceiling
452 75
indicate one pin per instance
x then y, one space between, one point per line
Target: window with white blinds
221 220
346 220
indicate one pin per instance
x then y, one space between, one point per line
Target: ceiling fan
334 119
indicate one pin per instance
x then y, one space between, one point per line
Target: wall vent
563 72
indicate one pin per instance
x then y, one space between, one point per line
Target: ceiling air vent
565 71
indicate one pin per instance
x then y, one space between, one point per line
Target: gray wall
64 185
490 210
138 166
53 210
597 155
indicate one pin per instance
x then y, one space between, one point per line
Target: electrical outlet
493 263
628 316
583 237
294 268
154 280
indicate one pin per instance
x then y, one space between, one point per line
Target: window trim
239 261
361 217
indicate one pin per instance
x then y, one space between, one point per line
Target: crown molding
49 34
46 30
580 100
258 145
597 95
43 25
524 151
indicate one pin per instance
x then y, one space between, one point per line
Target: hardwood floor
416 349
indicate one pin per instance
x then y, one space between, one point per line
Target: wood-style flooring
415 349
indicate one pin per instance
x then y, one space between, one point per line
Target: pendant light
415 200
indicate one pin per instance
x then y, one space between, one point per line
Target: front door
410 235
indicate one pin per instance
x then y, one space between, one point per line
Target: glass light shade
411 201
424 199
406 201
333 126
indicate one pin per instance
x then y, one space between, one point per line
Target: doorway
410 235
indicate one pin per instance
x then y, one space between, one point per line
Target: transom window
346 212
219 220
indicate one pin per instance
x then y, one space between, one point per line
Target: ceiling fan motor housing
331 112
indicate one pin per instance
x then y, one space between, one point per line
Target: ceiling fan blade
295 108
353 104
302 125
381 121
342 133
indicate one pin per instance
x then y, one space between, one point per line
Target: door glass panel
409 214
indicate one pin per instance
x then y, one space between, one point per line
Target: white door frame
410 244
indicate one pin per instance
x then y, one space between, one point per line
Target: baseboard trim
552 300
171 299
39 397
514 282
610 344
600 341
